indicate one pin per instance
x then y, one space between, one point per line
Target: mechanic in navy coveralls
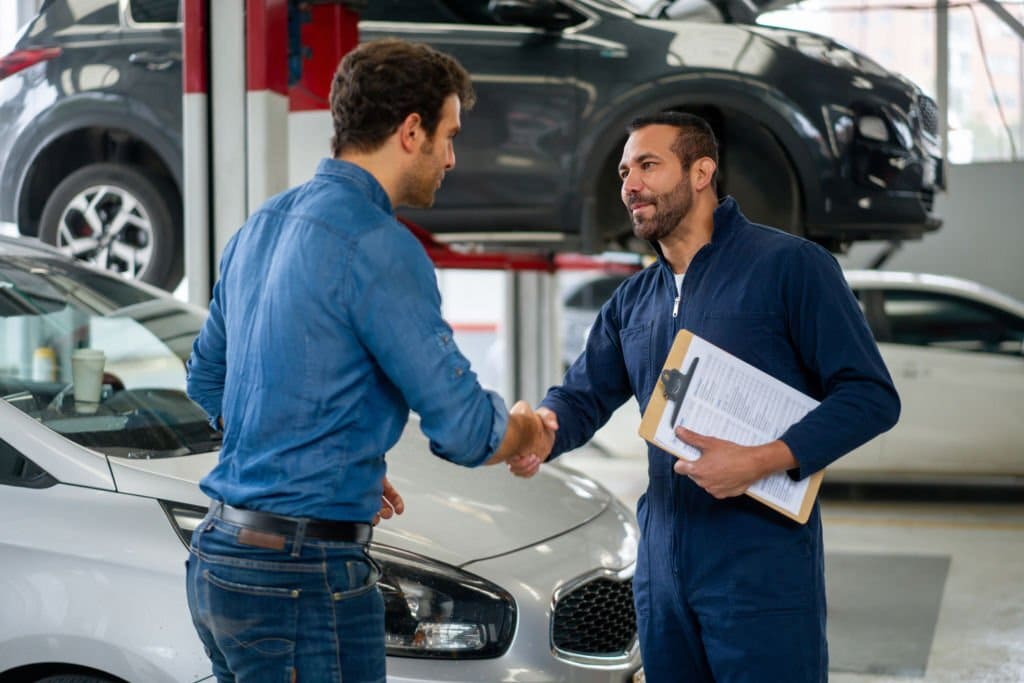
726 589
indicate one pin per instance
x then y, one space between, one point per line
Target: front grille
596 619
929 114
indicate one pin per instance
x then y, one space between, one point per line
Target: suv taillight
22 59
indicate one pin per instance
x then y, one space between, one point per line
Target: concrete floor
918 591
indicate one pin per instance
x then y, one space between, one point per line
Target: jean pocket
354 578
259 615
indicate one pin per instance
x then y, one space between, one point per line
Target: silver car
487 577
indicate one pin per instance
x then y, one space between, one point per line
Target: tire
82 212
73 678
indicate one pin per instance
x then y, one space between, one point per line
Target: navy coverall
730 590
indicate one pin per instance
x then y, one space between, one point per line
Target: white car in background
955 350
486 577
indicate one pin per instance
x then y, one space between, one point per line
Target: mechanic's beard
669 210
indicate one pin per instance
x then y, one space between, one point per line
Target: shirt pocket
636 354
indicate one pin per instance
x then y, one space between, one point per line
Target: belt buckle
261 539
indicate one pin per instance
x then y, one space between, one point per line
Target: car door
958 366
515 149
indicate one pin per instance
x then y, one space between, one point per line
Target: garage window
154 11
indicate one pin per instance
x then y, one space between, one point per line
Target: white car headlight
435 610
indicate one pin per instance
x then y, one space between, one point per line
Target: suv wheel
119 218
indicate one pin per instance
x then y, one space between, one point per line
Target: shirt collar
336 170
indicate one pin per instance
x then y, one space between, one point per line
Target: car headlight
184 518
873 128
435 610
430 609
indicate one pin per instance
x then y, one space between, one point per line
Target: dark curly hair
381 82
695 138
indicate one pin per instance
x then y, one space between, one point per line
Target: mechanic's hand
527 463
724 469
391 503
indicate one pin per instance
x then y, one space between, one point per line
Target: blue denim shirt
324 330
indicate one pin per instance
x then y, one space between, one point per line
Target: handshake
528 440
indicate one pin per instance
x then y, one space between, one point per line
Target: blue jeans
310 614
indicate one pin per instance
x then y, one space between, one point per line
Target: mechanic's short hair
379 83
694 140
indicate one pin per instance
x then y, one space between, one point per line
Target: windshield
130 367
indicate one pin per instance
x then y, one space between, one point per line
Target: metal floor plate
882 611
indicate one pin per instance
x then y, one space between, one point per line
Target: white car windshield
136 405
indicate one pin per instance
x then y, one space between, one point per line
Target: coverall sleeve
207 366
594 386
837 348
394 307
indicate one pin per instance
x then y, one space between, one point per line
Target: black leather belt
321 529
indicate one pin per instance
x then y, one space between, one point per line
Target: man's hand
726 469
527 433
528 462
391 503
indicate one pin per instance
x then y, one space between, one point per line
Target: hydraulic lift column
235 111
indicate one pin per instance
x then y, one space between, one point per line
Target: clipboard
705 383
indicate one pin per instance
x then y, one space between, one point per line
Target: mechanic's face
436 155
655 186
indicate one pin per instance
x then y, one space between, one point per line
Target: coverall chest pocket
749 335
636 354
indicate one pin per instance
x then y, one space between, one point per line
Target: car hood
452 514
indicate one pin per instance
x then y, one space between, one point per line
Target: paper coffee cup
87 374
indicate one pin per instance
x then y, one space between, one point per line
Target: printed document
732 400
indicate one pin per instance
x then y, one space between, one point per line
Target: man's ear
411 133
701 173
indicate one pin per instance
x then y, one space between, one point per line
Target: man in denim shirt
325 329
726 589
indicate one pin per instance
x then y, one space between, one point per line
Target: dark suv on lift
816 138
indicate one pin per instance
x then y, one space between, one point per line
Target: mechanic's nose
450 163
630 182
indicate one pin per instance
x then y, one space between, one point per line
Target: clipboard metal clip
675 385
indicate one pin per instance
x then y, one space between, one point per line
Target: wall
982 238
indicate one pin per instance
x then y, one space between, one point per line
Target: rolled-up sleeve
395 309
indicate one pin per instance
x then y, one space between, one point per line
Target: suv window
428 11
17 470
154 11
947 321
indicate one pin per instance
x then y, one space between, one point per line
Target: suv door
519 140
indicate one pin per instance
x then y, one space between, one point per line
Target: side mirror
545 14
